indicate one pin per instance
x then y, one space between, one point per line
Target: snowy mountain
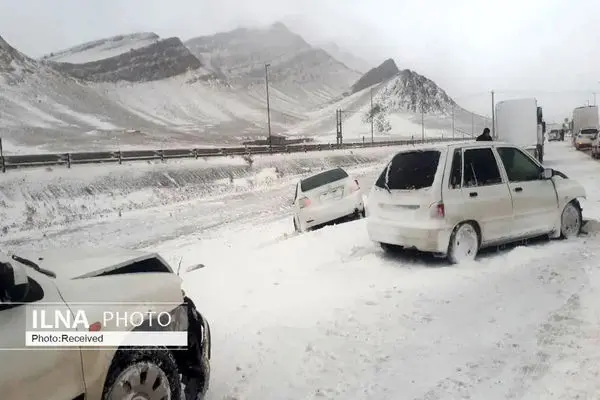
43 109
398 97
158 60
245 51
382 73
308 75
103 48
208 90
346 57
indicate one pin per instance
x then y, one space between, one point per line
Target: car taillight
355 186
438 210
441 211
304 202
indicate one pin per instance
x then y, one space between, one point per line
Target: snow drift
37 199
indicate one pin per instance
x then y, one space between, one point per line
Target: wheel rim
465 243
142 381
570 221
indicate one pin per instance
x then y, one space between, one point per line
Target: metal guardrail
69 159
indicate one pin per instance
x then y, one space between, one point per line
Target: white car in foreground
455 199
91 281
326 197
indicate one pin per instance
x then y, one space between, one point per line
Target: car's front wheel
464 243
571 221
143 374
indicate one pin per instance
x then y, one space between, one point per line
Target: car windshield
322 179
410 170
589 131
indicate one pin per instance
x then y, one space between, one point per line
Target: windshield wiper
33 265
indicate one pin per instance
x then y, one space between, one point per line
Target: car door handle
473 194
518 189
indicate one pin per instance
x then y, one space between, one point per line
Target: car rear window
322 179
410 170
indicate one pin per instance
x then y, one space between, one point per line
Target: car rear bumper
431 238
321 214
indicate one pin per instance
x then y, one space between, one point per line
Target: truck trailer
521 122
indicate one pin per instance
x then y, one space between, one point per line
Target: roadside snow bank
39 198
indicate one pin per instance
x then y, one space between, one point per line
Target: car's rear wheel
143 374
464 243
571 221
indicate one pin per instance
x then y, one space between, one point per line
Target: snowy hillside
398 97
159 60
347 58
210 90
103 48
387 70
245 51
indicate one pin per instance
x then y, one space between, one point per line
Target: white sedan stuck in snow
455 199
326 197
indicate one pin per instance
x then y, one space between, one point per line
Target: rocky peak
382 73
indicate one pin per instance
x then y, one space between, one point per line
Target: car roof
81 262
452 145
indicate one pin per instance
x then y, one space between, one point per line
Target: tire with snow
464 243
143 374
571 220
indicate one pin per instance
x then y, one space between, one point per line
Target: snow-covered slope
346 57
43 109
103 48
245 51
209 90
162 59
302 76
398 97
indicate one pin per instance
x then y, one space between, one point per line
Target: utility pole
268 106
372 116
493 117
422 121
595 99
452 120
472 124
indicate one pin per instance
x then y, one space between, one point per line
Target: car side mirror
194 267
548 173
14 282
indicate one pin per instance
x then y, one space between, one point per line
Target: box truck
520 122
585 126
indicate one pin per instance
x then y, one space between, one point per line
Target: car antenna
33 265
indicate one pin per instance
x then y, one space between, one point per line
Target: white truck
585 126
520 122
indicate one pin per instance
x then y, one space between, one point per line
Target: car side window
480 168
456 170
519 167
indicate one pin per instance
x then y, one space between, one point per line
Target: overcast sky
545 48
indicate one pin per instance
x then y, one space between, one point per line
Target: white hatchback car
326 197
455 199
585 138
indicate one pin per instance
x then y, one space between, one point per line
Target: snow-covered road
327 315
